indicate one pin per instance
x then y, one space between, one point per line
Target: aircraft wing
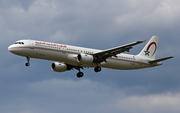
103 55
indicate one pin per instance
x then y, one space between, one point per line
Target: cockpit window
19 43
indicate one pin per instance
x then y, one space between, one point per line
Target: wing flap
159 60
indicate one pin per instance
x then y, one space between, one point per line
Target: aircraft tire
80 74
97 69
27 64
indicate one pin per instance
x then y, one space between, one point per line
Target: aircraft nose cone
11 49
15 50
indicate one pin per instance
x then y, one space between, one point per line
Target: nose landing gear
28 59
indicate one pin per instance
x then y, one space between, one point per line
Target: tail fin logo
147 52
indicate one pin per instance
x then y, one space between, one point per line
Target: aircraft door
31 44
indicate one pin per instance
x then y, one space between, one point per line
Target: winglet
145 41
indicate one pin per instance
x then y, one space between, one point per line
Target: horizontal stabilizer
159 60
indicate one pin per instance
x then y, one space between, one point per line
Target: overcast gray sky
98 24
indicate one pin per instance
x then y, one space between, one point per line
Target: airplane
69 57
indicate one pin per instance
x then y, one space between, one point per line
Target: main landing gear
28 59
81 74
97 69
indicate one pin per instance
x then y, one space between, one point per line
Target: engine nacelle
85 58
59 67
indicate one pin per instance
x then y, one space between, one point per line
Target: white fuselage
68 54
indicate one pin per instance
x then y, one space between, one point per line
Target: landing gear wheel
80 74
27 64
97 69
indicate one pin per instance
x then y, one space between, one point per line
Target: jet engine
60 67
85 58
